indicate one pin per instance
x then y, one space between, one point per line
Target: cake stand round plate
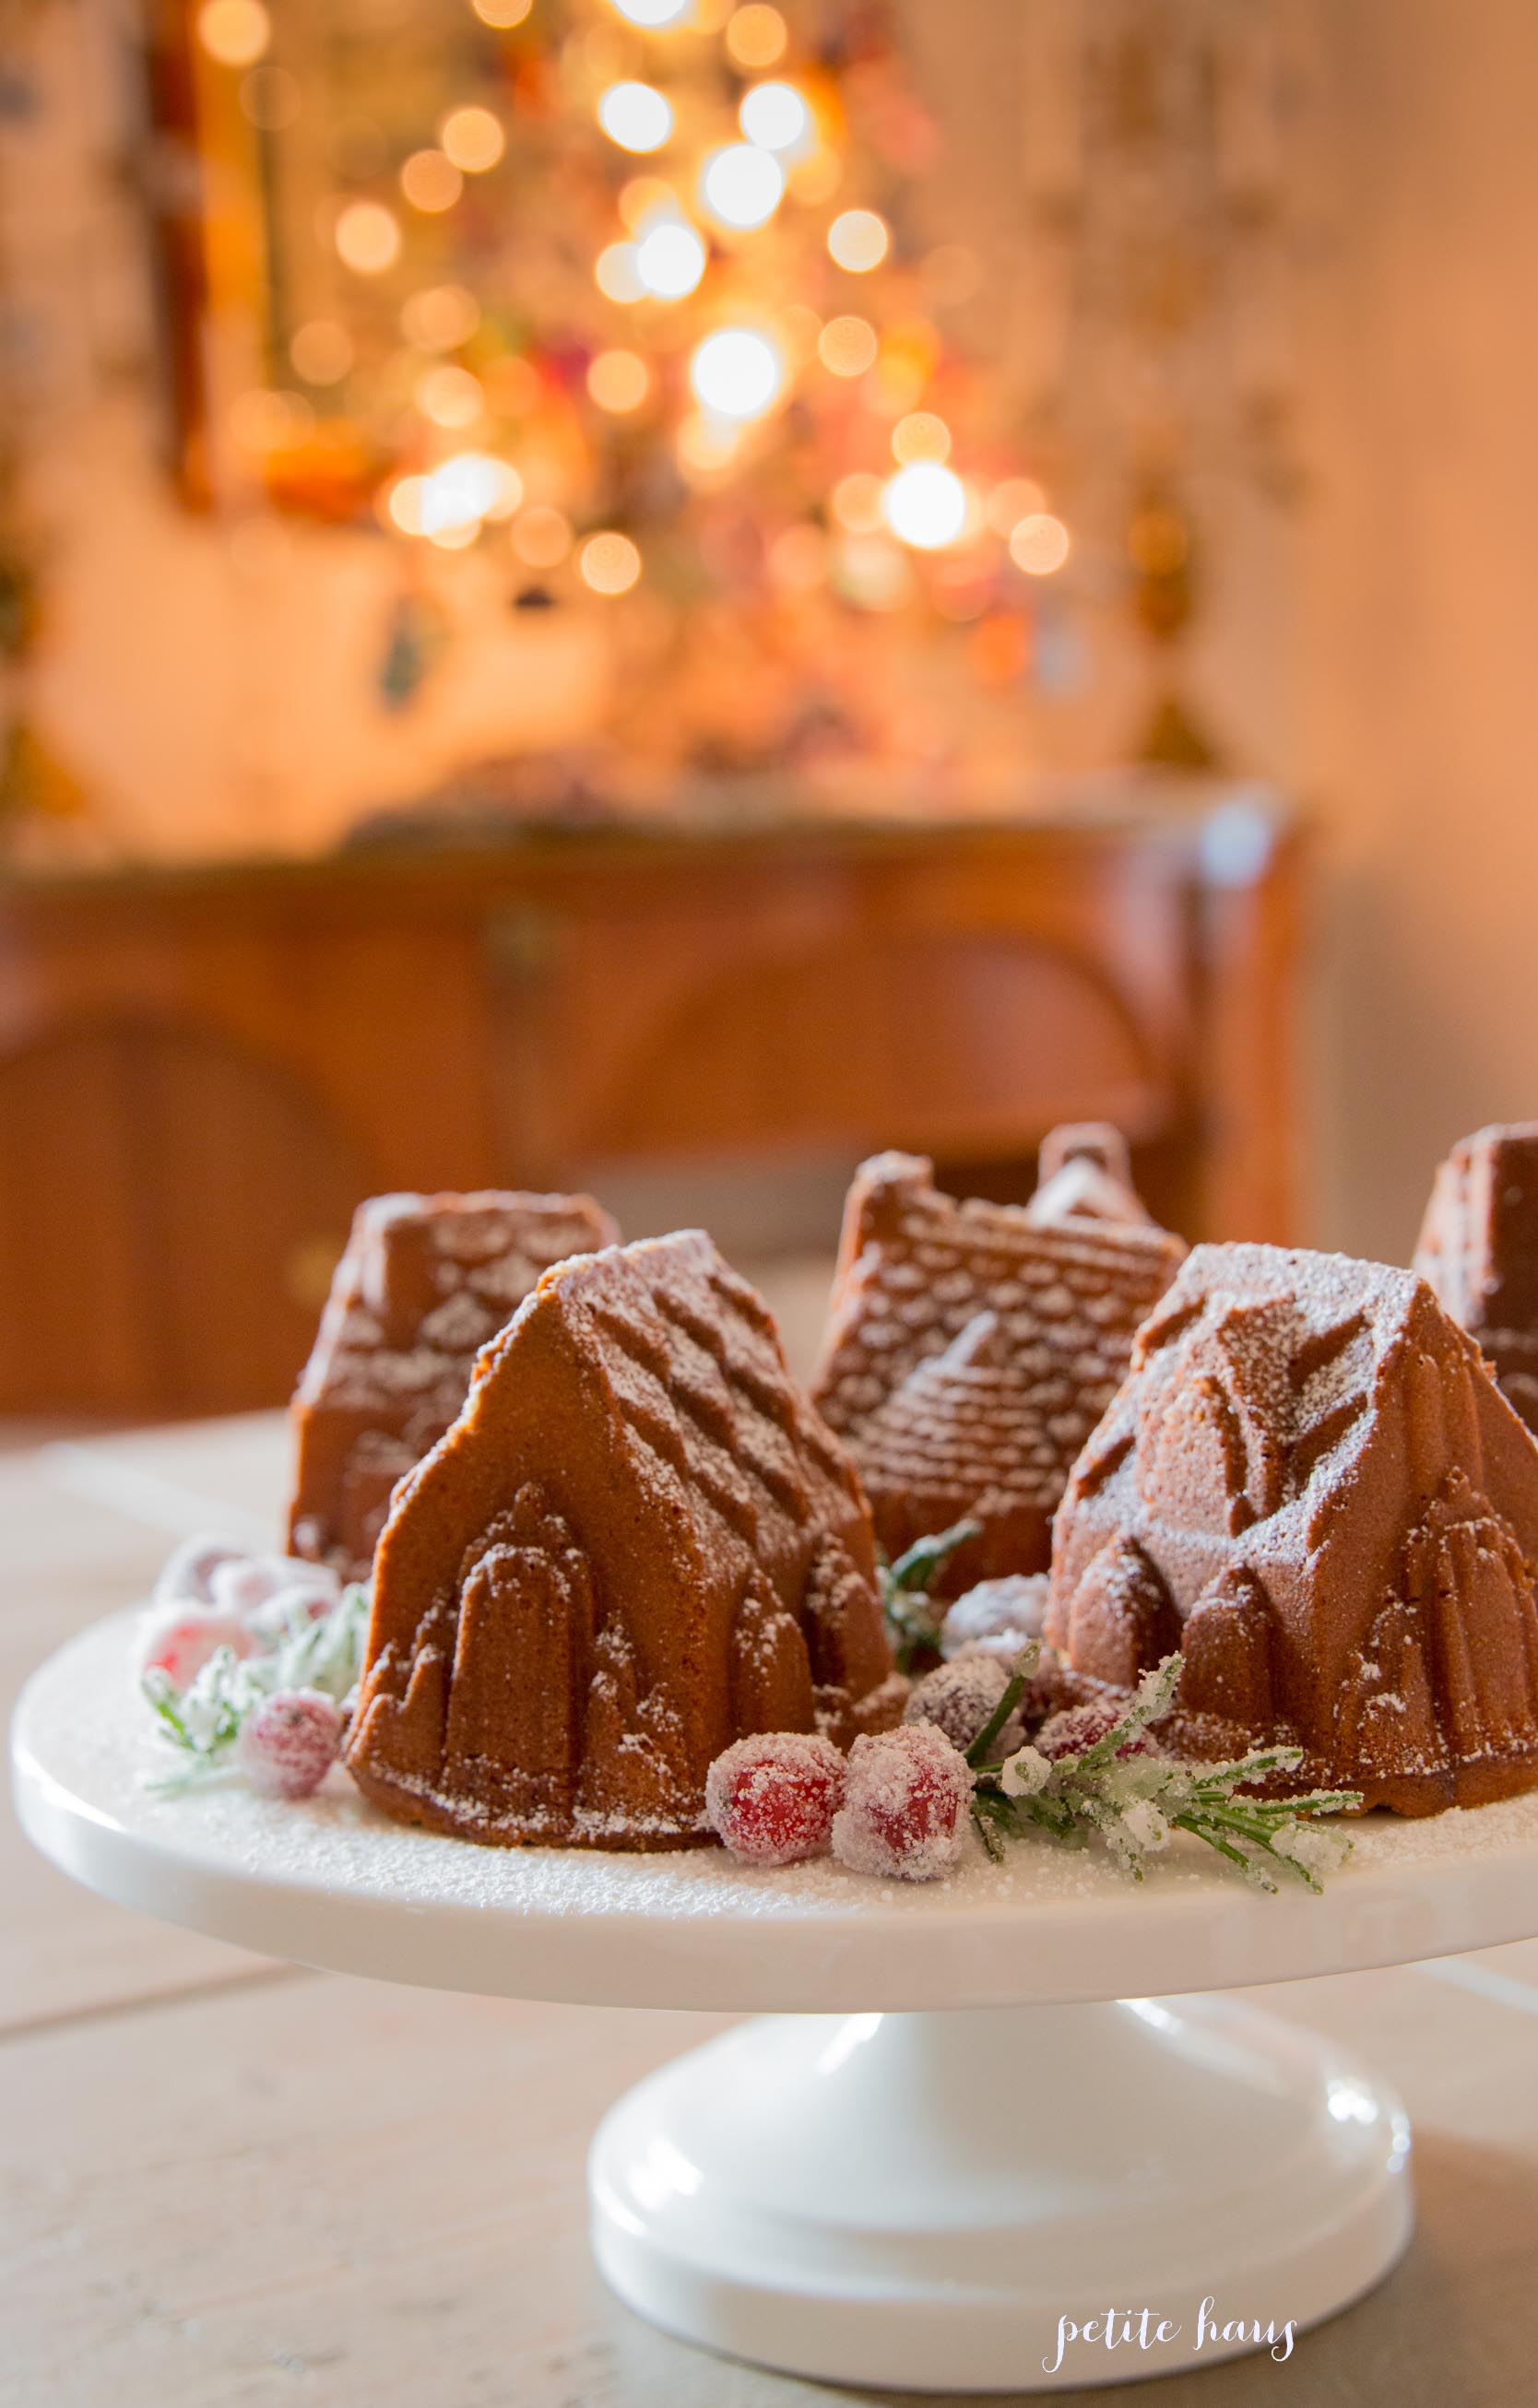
954 2145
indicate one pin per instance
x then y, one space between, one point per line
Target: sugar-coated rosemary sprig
912 1623
1133 1802
202 1722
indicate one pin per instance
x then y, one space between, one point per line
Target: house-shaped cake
972 1347
1310 1484
425 1281
638 1544
1479 1249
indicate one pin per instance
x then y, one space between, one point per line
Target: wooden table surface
233 2184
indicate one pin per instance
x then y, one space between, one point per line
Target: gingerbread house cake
638 1544
1312 1486
971 1347
1478 1248
425 1281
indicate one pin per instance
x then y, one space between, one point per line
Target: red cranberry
1077 1728
771 1799
906 1802
287 1745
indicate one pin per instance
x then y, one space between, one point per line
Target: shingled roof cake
1311 1483
638 1544
424 1282
971 1347
1478 1249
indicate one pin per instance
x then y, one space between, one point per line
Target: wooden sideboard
201 1072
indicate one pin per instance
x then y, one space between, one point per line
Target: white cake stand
948 2137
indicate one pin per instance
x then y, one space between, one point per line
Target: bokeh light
234 32
737 373
856 503
644 200
847 346
1015 499
1040 544
431 181
616 273
669 260
921 436
925 505
858 240
321 352
619 381
450 396
503 14
742 185
368 237
755 36
652 13
541 536
636 116
775 116
441 318
473 138
608 563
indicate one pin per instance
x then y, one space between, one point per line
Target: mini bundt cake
424 1282
1478 1249
1310 1484
972 1347
638 1544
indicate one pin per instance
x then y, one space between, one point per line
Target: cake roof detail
638 1544
1316 1470
971 1347
1479 1250
425 1281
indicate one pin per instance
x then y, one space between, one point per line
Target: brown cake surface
1310 1484
638 1544
972 1347
1478 1249
425 1281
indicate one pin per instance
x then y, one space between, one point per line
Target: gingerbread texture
425 1281
1310 1484
638 1544
1478 1249
972 1347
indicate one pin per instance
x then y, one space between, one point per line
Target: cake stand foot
1029 2198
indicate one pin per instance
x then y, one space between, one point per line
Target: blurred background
658 593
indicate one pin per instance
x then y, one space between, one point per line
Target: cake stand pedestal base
989 2200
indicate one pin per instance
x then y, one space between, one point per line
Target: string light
473 138
775 117
847 346
856 503
669 261
756 35
431 181
652 14
1016 499
450 396
541 536
503 14
636 116
737 373
368 237
921 436
619 381
925 505
742 185
858 240
441 318
608 563
1040 544
321 352
234 32
616 272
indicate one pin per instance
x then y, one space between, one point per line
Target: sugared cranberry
907 1795
179 1640
187 1574
1076 1727
960 1697
288 1744
771 1799
245 1583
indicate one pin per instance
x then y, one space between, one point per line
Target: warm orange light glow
921 436
742 185
502 13
652 14
541 536
737 372
617 274
1015 499
619 381
645 198
431 181
473 138
858 240
775 116
670 258
450 396
441 318
367 238
636 116
1040 544
755 36
234 32
608 563
322 351
925 505
856 503
847 346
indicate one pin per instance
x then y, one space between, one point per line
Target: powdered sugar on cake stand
851 2188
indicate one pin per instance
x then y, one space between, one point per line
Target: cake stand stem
990 2200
